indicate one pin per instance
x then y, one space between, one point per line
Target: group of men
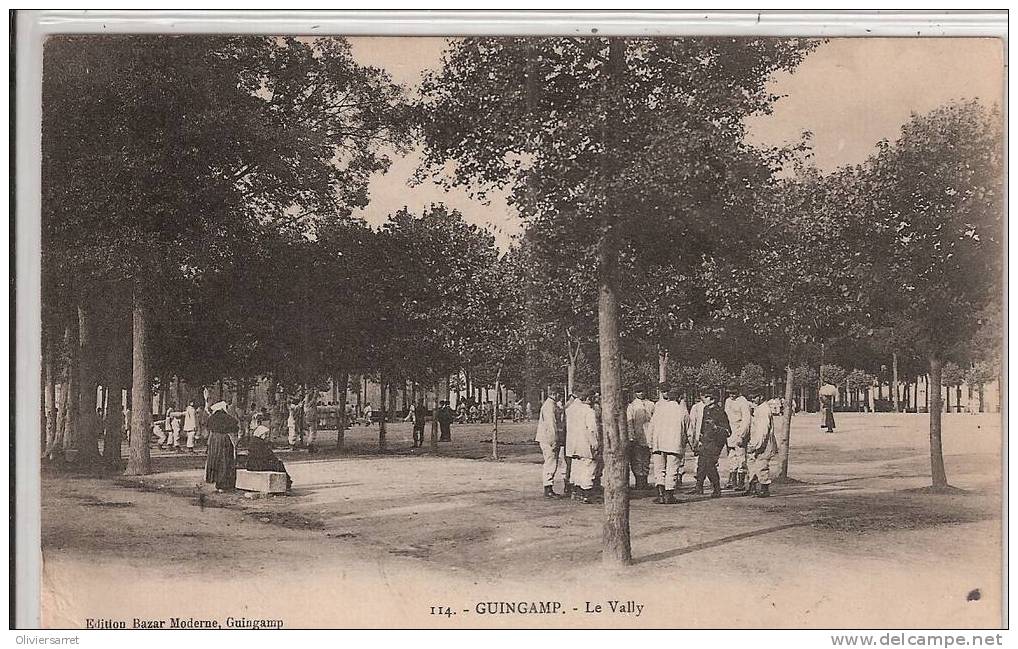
661 434
180 429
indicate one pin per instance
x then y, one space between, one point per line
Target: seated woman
260 456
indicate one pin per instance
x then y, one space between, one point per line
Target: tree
833 374
605 142
278 130
752 378
979 375
952 376
801 284
858 381
936 235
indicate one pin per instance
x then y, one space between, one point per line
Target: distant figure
367 414
418 415
294 436
529 411
260 456
191 425
445 418
221 464
827 405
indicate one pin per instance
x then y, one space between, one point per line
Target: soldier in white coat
761 445
638 414
582 445
668 444
740 413
551 440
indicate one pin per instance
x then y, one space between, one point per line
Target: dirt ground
369 540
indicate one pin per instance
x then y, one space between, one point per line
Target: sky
850 93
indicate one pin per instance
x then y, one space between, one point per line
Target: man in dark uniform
419 415
714 432
445 416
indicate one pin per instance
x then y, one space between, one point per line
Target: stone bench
267 482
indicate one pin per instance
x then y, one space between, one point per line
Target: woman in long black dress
221 463
260 456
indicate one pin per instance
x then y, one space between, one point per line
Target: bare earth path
368 540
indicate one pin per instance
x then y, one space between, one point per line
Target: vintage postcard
522 332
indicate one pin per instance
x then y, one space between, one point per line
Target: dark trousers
446 436
707 466
418 436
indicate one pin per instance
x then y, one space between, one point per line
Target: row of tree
199 201
658 220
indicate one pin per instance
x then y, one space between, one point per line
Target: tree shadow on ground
706 545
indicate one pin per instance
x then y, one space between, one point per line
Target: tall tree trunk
785 430
615 537
344 379
662 364
946 391
434 420
72 422
310 413
616 544
60 436
49 396
139 460
381 412
86 437
894 380
980 387
114 425
494 418
937 470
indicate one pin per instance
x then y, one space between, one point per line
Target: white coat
761 431
695 422
740 413
581 430
668 427
547 431
638 413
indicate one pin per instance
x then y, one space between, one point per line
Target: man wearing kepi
581 445
762 445
739 412
548 436
667 444
638 414
714 432
221 463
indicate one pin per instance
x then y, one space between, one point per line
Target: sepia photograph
565 332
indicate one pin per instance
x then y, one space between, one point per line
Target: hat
664 386
220 405
733 387
261 431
